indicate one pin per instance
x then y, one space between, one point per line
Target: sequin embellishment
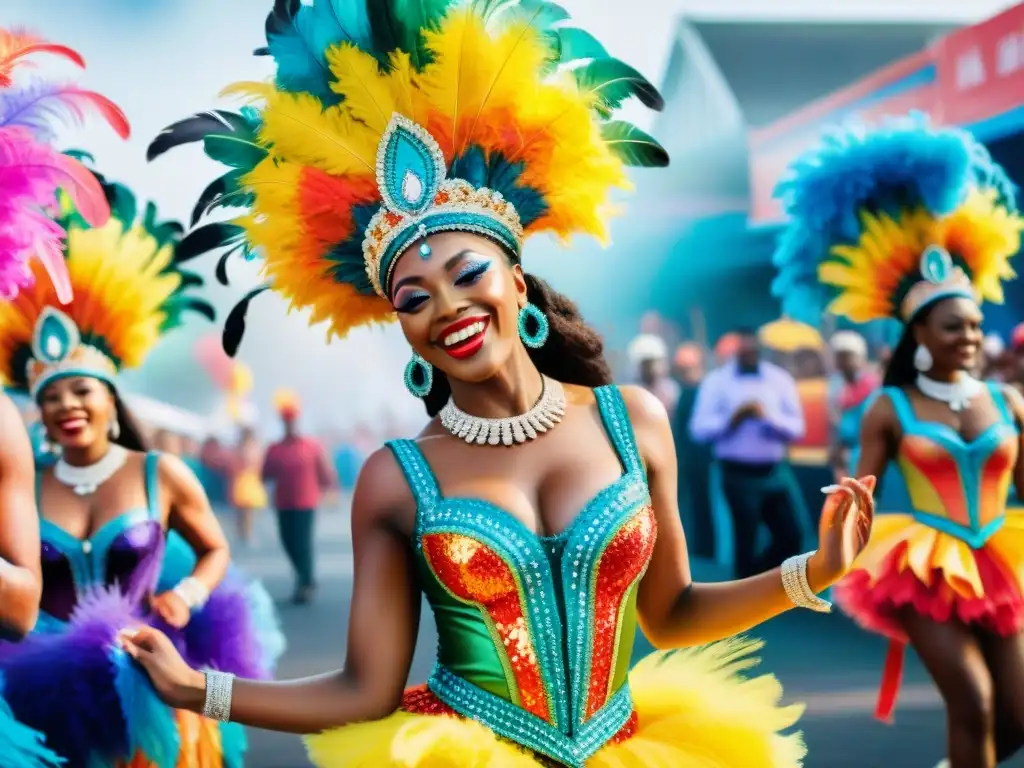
620 568
475 574
542 595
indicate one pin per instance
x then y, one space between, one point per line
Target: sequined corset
535 633
957 486
126 551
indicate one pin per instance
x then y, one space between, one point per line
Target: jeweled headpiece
884 223
128 289
377 133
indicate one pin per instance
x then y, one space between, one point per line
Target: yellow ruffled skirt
908 564
695 709
248 492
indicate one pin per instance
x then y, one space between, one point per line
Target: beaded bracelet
192 592
217 705
798 589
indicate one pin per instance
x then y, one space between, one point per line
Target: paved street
821 660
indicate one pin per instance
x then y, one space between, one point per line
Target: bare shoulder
172 470
880 414
645 410
11 426
1014 399
382 492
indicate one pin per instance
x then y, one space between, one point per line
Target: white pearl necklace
85 480
548 411
957 394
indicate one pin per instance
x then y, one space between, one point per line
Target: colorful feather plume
864 206
520 102
32 172
129 287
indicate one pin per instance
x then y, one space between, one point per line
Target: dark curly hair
573 352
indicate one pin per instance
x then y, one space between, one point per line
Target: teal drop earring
419 376
424 246
535 337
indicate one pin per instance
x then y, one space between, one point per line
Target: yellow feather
119 295
370 95
298 128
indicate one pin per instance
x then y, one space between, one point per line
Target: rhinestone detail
607 547
544 415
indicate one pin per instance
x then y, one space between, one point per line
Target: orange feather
17 45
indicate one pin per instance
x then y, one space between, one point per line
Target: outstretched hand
844 530
176 683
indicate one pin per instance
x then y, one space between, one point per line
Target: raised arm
676 612
20 578
383 624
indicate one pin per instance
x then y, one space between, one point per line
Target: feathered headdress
129 291
31 171
389 120
883 223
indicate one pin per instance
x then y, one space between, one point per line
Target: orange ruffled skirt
695 708
910 564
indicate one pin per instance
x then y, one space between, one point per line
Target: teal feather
575 44
632 146
399 25
611 82
151 723
233 743
21 746
298 37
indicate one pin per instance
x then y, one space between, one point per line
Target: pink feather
40 104
30 175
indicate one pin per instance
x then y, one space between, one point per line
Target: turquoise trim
445 221
68 373
973 539
970 457
945 294
557 576
520 727
88 557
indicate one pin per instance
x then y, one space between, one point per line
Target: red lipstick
464 338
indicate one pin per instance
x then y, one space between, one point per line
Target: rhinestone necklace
956 395
85 480
547 412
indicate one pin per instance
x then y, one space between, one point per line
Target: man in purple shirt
749 411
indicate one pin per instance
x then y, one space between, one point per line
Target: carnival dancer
400 170
105 506
918 224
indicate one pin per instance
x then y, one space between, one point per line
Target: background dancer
919 224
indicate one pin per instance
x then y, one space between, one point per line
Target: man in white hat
648 356
854 382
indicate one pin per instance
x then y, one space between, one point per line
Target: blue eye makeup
471 272
411 301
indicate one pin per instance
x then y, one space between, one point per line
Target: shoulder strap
901 403
615 417
417 472
999 397
152 477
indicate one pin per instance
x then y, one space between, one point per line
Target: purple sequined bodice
126 551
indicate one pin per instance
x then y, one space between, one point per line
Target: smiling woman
394 170
116 521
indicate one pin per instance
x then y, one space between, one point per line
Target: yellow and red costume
382 127
883 224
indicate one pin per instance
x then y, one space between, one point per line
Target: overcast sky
164 59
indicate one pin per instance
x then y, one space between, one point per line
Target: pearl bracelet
192 592
798 589
217 705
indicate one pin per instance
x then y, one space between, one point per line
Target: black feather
196 128
207 238
199 306
234 326
261 51
222 264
